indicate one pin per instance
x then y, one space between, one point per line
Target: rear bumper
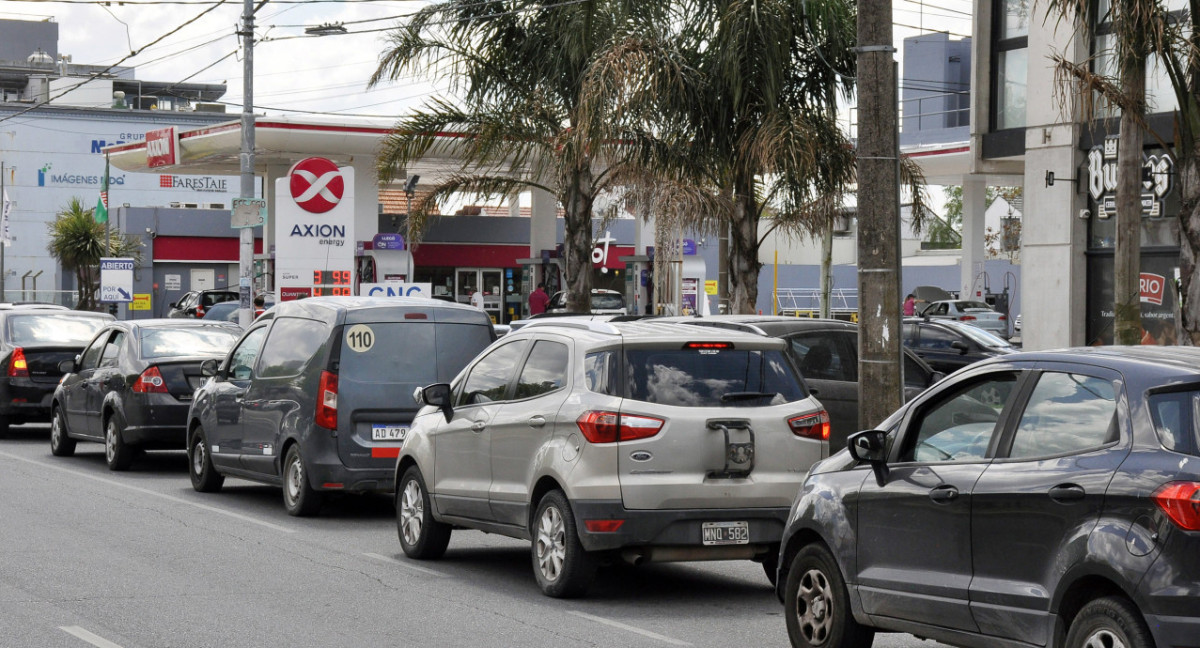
155 421
326 467
674 527
22 399
1174 631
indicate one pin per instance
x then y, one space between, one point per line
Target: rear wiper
746 395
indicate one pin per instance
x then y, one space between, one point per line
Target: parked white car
975 313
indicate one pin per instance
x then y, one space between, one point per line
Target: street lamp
410 188
327 29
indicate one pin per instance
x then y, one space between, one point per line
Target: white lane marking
146 491
405 565
94 639
618 624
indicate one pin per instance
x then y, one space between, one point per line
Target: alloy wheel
551 544
110 441
814 607
1103 638
412 512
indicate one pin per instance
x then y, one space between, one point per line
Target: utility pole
879 333
4 225
246 234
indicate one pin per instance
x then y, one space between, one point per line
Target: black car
197 302
826 352
131 388
316 396
33 341
948 346
1035 499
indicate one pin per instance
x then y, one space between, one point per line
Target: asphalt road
122 560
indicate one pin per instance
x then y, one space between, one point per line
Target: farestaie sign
162 147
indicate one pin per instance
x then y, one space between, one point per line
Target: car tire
817 604
117 454
299 498
61 443
561 565
3 426
421 536
205 477
1109 621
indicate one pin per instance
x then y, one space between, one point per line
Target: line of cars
1031 499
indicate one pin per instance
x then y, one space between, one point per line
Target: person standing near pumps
538 299
476 299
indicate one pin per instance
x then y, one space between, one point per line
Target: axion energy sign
162 147
314 229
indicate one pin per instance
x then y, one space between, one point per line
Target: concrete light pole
878 216
246 234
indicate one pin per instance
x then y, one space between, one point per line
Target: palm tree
517 69
78 242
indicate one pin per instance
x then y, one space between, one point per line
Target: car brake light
609 427
199 312
967 318
1003 317
17 366
708 345
603 526
1181 502
150 382
327 394
811 426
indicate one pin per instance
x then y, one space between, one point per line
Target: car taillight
199 312
327 394
17 366
1003 317
150 382
811 426
967 318
1181 502
609 427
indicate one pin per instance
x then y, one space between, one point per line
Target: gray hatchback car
310 396
635 441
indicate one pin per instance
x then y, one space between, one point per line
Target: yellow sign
141 301
710 286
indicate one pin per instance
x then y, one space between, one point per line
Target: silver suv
640 441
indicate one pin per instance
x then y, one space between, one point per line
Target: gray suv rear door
701 394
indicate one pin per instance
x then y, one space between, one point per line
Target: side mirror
936 377
961 346
67 366
870 446
209 367
438 395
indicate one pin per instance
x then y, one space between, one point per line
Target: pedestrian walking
538 300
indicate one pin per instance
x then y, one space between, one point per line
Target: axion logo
158 147
316 185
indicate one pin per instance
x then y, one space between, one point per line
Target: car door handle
537 421
1067 493
944 493
478 426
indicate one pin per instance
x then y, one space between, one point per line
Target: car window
489 377
445 349
706 377
936 338
973 305
1066 413
982 337
960 425
1176 417
108 358
216 298
545 369
52 329
910 334
600 371
607 301
292 343
914 374
941 309
91 357
241 362
819 356
170 342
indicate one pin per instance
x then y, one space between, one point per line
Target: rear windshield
219 297
416 352
67 330
605 301
167 343
982 337
711 377
974 305
1175 418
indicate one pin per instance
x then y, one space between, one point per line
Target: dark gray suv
316 395
1037 499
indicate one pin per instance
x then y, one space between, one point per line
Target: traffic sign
316 185
248 212
116 280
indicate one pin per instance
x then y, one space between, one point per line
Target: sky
295 72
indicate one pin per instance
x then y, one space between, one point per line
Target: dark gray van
317 394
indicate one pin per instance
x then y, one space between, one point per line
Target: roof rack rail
580 324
